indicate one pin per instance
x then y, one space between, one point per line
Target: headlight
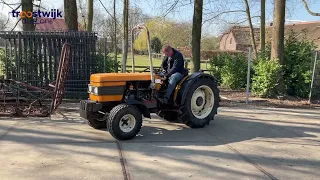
92 89
95 90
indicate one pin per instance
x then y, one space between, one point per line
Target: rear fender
186 84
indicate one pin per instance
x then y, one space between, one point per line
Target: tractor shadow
227 128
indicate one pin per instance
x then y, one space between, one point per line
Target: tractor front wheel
201 102
97 123
124 122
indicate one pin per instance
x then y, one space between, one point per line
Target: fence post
248 75
19 61
312 78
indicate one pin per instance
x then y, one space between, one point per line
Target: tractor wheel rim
127 123
202 102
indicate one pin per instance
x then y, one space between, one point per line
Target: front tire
97 124
97 121
202 102
124 122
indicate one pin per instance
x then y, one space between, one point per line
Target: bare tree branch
242 20
108 12
16 24
309 11
221 14
171 8
5 24
9 5
253 41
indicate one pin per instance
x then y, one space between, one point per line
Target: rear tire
201 103
124 122
169 116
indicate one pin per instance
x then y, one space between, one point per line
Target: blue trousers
173 79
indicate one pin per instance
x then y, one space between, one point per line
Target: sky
184 10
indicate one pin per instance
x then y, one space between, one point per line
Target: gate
33 58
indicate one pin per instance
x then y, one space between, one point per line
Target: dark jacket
173 64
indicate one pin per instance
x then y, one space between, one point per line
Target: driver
173 64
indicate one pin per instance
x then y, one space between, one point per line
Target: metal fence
33 57
314 94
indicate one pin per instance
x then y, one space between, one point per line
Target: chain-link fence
314 94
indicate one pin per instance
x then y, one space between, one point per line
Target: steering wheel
155 70
162 73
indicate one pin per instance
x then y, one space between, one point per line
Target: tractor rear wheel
124 122
201 103
170 116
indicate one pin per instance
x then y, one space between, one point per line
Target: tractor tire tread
96 124
114 116
192 121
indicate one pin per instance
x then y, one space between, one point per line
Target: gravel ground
233 98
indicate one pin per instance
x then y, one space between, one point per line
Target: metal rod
248 76
132 51
105 53
149 50
150 57
314 68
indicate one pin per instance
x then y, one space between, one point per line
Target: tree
309 11
90 15
81 14
251 28
196 34
156 44
263 25
136 17
125 34
115 42
27 25
277 46
166 31
209 42
71 15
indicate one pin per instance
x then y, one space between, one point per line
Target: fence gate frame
33 58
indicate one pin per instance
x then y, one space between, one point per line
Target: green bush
230 70
297 70
234 73
156 45
103 64
216 65
299 58
265 79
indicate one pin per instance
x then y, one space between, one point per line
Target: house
239 38
53 25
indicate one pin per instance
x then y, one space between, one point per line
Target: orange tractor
119 101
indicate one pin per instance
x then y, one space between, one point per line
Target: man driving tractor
173 65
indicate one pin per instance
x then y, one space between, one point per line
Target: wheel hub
199 101
127 123
202 102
